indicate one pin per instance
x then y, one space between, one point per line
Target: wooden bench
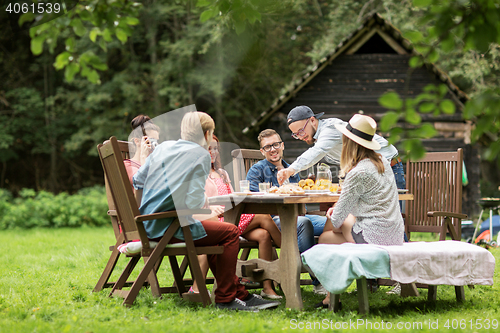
432 263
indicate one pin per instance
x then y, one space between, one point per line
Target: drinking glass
264 187
244 186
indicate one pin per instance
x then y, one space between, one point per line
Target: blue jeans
305 232
318 223
399 174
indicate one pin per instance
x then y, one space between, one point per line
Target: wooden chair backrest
124 149
436 183
121 191
243 159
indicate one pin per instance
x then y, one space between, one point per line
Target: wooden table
285 270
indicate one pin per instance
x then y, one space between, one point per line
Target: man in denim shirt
327 142
265 171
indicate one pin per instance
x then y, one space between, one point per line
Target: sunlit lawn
47 277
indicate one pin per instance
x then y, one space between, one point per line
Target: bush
44 209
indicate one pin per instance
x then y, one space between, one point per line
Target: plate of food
287 190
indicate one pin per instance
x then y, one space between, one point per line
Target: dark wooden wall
355 82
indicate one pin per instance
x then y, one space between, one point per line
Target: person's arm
214 216
226 175
145 149
255 176
327 139
351 190
210 190
140 176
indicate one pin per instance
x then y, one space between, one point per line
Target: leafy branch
468 25
101 21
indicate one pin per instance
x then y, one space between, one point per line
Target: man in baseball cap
327 141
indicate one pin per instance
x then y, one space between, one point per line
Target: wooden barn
371 61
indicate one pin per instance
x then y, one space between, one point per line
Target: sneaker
396 289
257 302
236 304
320 290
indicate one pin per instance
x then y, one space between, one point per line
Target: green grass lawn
47 277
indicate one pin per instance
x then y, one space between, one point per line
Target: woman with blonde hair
368 208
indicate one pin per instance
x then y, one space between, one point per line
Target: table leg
232 215
290 262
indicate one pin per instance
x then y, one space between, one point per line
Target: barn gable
369 62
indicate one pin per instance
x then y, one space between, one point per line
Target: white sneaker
320 290
396 289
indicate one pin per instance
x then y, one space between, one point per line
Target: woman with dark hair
142 141
255 227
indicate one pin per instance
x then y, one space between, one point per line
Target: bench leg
334 303
362 296
409 289
460 293
432 291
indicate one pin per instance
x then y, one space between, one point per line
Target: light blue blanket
337 266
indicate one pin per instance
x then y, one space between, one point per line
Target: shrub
44 209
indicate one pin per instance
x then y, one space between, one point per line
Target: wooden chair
243 159
132 228
436 183
115 223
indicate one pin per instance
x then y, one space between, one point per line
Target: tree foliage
99 21
79 78
471 29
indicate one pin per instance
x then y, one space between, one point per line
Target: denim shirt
172 178
265 172
328 143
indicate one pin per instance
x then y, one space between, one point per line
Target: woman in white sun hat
368 208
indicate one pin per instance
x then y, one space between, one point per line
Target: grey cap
301 112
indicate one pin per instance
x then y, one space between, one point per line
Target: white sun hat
361 129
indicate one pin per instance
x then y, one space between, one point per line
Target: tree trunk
151 31
51 139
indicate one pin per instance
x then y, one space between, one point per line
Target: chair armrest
112 212
449 214
172 213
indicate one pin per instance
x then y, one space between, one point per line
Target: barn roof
373 24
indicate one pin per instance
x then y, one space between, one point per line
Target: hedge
44 209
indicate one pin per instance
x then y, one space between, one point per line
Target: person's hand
217 210
145 149
329 212
284 174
